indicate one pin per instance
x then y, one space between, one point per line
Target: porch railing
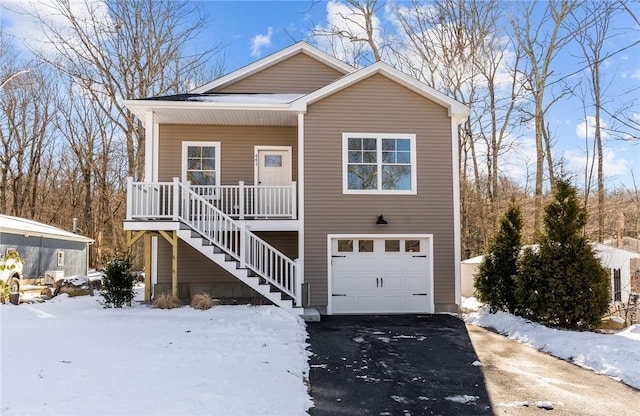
146 200
180 202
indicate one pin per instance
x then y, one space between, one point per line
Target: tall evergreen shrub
562 283
118 281
496 278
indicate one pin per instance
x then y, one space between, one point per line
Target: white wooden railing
178 201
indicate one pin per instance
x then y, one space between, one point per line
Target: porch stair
231 265
219 237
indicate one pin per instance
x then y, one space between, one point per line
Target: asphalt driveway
395 365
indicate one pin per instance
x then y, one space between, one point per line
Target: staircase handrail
233 238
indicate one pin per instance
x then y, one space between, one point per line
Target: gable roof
246 71
457 110
30 228
205 106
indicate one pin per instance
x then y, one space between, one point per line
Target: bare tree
542 34
124 49
26 115
592 41
353 32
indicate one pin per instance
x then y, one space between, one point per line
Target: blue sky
254 29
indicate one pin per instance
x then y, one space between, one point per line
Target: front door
273 179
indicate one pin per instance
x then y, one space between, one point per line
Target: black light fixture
381 220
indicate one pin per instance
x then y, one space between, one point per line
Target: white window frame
60 256
185 147
379 137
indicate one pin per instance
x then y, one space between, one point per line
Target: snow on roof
22 226
246 98
473 260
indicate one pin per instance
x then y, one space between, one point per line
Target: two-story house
305 181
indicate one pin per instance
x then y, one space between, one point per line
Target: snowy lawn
616 355
69 356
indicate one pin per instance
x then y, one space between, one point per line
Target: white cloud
22 24
587 129
613 164
259 42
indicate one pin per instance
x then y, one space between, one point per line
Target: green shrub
495 281
562 283
117 282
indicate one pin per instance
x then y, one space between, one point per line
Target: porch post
147 267
129 198
172 238
174 264
241 199
294 189
176 199
298 283
243 245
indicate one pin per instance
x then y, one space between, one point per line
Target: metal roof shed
46 250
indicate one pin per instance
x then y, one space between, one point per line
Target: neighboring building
304 180
47 251
617 261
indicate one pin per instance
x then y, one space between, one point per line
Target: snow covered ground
69 356
616 355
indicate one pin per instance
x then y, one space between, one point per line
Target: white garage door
380 275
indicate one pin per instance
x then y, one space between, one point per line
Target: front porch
179 213
157 201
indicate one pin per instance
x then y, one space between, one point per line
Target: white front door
273 179
380 275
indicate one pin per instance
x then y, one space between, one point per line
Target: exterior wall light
381 220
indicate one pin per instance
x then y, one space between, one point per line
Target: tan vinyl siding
300 74
237 148
193 267
378 105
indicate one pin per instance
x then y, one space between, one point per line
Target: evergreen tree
118 282
495 281
562 283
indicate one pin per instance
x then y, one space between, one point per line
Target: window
412 246
392 246
365 246
379 163
201 163
60 258
345 246
617 286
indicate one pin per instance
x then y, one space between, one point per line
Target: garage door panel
380 281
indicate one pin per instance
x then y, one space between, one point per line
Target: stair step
230 264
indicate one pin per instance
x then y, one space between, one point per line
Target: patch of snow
400 399
544 405
462 398
80 359
359 340
470 304
476 363
615 355
247 98
617 319
514 404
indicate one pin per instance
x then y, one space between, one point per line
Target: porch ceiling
222 116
